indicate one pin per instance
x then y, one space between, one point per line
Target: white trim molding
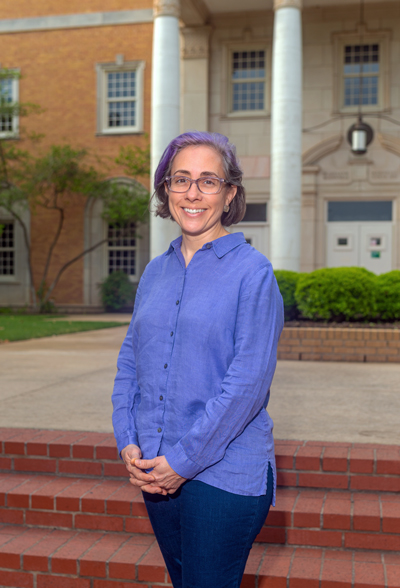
73 21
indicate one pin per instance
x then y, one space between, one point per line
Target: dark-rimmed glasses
206 185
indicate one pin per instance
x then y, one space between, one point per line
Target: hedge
287 282
388 295
116 291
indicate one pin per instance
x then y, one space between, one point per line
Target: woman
195 369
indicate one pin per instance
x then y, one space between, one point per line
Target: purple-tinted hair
230 164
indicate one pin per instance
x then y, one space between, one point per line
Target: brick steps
69 517
302 517
338 466
44 558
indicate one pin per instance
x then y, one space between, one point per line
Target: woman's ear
231 193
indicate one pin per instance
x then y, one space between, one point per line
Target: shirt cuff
127 438
181 463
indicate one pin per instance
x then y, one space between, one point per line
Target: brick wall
335 344
58 73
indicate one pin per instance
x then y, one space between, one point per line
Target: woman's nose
193 193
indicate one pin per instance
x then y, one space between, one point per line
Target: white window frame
103 69
362 37
227 84
15 98
9 277
132 277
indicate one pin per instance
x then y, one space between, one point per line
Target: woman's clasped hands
161 480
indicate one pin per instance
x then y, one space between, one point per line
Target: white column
165 115
286 124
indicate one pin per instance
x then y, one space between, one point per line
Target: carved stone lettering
336 175
195 42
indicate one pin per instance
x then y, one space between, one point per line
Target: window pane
7 249
255 213
122 248
121 84
360 87
122 114
372 210
248 65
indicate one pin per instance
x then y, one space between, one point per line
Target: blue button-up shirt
196 366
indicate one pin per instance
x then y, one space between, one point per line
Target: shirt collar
221 246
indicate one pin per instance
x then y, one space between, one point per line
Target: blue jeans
205 534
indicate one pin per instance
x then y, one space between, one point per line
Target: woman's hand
130 454
164 477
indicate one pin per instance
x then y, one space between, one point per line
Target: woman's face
197 213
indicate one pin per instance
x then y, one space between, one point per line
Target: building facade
284 80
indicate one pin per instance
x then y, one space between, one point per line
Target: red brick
62 447
335 459
20 496
337 573
123 564
393 576
285 456
80 468
120 501
115 470
307 512
138 525
16 445
328 481
85 447
99 523
70 498
5 463
11 516
36 558
274 571
60 582
10 554
368 575
48 519
252 566
93 563
107 449
9 481
362 460
309 458
272 535
376 483
20 579
366 515
138 506
44 498
388 460
114 584
314 538
281 514
286 478
305 572
26 464
65 561
390 517
152 567
95 499
372 541
39 446
337 513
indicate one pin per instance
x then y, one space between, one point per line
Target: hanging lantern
360 136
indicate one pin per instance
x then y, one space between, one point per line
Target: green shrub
388 295
287 282
337 293
116 291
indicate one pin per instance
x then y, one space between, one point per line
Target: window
356 210
361 71
248 81
361 75
7 249
8 96
122 249
255 213
120 98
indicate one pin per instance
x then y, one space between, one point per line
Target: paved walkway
65 382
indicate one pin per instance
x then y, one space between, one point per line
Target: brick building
284 79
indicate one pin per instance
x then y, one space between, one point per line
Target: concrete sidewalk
65 382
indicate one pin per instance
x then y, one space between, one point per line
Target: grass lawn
19 327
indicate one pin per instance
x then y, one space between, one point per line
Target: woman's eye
180 180
209 182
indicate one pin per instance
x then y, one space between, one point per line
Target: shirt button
177 302
159 430
171 333
208 245
165 366
161 397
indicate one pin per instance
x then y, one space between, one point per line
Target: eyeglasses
206 185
